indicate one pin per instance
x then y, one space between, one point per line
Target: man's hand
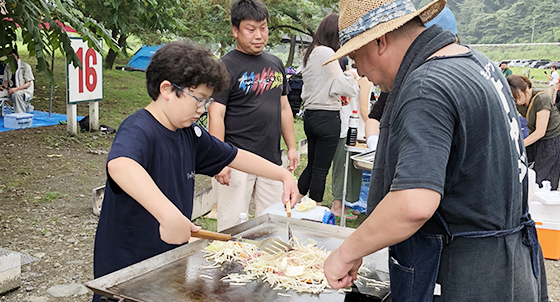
176 229
12 90
344 100
224 176
294 160
339 273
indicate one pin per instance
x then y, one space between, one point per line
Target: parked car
547 66
526 63
515 63
538 63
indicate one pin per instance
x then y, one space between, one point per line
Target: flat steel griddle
174 275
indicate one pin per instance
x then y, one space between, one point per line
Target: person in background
553 83
325 90
253 115
505 69
18 85
354 179
543 121
450 171
155 155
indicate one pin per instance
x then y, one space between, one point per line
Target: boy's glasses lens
199 102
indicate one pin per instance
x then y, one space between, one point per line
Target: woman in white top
322 94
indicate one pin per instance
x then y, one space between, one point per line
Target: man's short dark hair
187 65
254 10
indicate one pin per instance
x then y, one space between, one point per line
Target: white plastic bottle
352 134
242 218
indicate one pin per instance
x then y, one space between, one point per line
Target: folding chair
7 109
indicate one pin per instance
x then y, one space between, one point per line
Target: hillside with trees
505 21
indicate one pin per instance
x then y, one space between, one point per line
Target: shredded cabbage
300 269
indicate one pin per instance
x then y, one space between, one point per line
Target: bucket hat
362 21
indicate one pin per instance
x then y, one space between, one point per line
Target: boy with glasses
156 152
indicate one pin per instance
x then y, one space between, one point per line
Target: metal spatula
270 245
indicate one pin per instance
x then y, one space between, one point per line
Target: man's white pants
243 187
18 97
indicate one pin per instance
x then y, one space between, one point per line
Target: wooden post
72 119
93 116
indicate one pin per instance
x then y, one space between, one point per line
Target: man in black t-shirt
449 181
251 115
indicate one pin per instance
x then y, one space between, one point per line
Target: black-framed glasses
199 102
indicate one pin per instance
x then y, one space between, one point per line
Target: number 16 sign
85 84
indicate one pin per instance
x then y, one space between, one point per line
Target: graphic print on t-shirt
511 116
265 80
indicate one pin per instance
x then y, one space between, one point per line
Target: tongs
270 245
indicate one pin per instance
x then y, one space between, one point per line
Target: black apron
414 263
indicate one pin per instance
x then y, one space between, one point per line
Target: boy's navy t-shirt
127 233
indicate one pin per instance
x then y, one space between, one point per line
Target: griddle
174 275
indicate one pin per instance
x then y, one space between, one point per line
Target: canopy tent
142 58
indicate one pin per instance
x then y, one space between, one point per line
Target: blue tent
142 58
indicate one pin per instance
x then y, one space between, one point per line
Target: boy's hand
176 229
291 191
224 177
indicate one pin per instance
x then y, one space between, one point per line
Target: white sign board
85 84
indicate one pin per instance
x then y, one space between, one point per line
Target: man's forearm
217 128
372 127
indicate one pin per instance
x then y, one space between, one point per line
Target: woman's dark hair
326 35
518 84
186 65
254 10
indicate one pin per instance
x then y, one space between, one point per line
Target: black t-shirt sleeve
212 155
222 97
425 128
377 109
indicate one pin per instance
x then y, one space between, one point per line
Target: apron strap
529 239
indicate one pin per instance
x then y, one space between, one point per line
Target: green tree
32 17
150 20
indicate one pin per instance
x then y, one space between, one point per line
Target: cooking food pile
300 269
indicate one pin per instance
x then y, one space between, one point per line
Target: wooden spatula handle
204 234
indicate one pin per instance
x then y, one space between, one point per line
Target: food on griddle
300 269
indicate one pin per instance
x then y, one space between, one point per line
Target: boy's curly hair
187 65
